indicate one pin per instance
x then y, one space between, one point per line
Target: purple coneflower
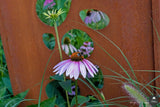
74 66
94 16
46 2
86 48
67 46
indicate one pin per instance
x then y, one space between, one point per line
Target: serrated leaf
66 85
81 100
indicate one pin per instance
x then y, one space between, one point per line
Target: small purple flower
73 91
86 49
74 66
48 2
94 16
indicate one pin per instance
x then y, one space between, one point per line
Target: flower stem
61 58
58 42
40 93
97 91
76 89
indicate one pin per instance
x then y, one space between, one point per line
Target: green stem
61 58
97 91
76 89
58 42
1 55
40 93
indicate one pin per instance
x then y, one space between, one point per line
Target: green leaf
16 100
53 89
94 101
49 40
81 100
57 77
2 91
22 94
66 85
7 83
46 103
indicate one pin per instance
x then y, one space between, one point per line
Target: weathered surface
130 28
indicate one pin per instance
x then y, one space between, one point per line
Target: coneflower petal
66 49
89 70
70 46
70 68
92 65
61 63
82 70
63 47
89 66
71 74
76 71
63 69
74 48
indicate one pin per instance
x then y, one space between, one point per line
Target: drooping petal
74 49
63 47
89 66
101 13
71 75
92 65
70 46
98 17
76 70
66 49
70 68
61 63
86 20
58 68
63 69
89 70
82 69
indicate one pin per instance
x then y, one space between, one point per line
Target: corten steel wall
130 28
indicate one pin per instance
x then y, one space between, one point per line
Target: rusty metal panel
156 28
130 28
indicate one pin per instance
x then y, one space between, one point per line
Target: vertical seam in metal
153 48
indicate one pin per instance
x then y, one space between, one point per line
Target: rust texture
130 28
156 29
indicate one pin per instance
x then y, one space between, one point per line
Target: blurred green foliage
77 38
98 25
49 40
5 85
64 4
6 95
